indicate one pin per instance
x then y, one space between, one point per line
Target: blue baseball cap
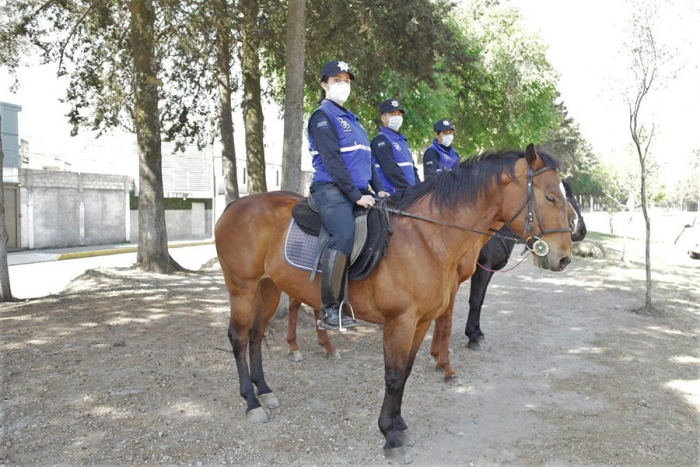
443 125
335 67
390 105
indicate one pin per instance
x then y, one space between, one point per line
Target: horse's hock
588 249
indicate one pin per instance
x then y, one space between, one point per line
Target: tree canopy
473 63
480 69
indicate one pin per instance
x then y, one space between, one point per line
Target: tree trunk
647 245
294 96
5 290
228 151
252 106
152 252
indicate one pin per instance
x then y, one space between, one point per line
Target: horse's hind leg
238 334
440 347
294 353
266 300
321 334
323 339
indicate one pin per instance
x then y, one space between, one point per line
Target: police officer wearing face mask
440 157
343 174
390 153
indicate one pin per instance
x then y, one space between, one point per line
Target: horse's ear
531 156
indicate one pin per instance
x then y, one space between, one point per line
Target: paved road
39 279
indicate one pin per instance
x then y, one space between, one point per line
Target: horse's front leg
399 422
477 292
401 343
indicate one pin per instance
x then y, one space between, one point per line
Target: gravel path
129 368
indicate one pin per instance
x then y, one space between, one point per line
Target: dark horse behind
456 207
494 257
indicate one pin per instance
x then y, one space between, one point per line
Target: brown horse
496 252
443 221
321 334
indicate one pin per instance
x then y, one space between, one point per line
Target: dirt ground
129 368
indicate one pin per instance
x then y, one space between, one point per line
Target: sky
583 39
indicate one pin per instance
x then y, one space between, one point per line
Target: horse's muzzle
554 265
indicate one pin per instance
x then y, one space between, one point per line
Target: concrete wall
181 224
66 209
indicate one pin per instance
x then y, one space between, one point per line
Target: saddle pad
300 248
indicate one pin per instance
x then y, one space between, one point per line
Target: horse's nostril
564 262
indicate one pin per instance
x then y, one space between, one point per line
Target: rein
448 224
502 270
537 246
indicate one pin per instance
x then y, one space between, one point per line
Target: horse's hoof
335 355
268 400
398 455
295 356
474 345
451 375
405 438
257 415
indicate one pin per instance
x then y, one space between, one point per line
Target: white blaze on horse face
573 222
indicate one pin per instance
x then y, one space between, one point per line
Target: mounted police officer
440 157
391 155
343 174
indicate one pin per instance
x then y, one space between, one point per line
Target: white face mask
447 140
339 92
395 122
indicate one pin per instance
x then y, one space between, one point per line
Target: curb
120 250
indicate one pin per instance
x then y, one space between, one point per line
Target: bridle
533 243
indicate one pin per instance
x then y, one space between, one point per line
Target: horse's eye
549 198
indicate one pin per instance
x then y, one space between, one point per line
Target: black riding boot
334 266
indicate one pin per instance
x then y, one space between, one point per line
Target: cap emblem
343 66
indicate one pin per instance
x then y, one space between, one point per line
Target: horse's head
578 226
539 211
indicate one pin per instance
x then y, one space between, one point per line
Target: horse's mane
470 180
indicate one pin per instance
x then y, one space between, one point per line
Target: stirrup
325 327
